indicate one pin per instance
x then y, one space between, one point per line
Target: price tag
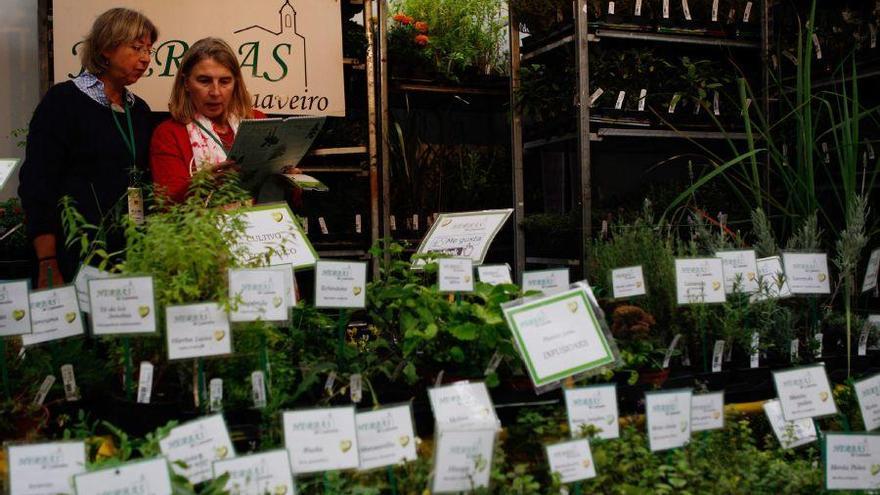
323 225
674 102
71 393
827 157
863 338
328 385
357 223
717 356
258 389
638 9
595 96
44 390
670 350
610 8
145 383
355 386
755 360
393 222
494 361
666 9
716 103
818 46
619 104
686 9
747 12
215 397
715 10
793 349
136 205
643 96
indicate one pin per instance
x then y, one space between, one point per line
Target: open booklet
263 147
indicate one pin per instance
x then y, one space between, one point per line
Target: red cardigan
170 155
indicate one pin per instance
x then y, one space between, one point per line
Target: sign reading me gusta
290 51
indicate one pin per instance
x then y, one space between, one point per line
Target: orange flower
421 26
421 39
399 17
407 20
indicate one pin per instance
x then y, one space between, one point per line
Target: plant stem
200 364
392 480
127 379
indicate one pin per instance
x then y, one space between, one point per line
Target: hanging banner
290 51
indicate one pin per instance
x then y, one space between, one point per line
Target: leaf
465 331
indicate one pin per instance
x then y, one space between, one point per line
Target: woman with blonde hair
88 139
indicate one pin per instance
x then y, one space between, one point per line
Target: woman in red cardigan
208 101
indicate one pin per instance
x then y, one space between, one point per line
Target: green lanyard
211 135
129 139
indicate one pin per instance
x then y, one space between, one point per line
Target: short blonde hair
111 29
181 106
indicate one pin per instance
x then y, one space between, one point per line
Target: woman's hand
291 170
224 167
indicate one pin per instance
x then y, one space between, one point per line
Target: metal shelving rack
585 133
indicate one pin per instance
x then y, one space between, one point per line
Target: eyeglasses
144 50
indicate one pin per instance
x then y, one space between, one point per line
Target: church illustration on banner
287 27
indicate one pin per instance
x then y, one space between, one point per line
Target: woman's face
210 86
129 61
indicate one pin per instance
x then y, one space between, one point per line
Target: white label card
215 394
546 281
81 282
340 284
807 273
494 274
142 477
15 313
868 394
699 280
271 231
572 460
686 9
772 282
595 406
643 96
611 8
386 437
747 12
793 349
804 392
871 271
122 305
463 406
198 444
628 282
669 418
595 96
54 315
666 9
852 461
558 336
755 358
462 460
258 474
638 8
258 294
197 330
668 356
45 468
707 411
68 381
7 167
455 275
321 439
740 270
145 383
289 282
717 356
465 235
714 10
620 97
790 434
258 389
44 389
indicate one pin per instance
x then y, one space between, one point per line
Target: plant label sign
699 280
340 284
547 281
122 305
852 461
258 294
868 394
464 235
258 474
595 406
804 392
807 273
455 275
54 315
198 444
45 468
149 477
15 311
790 434
386 437
572 460
669 418
559 336
81 282
871 271
463 460
286 271
628 282
197 330
272 232
7 166
740 270
772 282
494 274
321 439
707 411
463 406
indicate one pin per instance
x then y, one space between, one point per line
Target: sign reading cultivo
290 51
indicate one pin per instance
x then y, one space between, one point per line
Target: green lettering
81 68
253 54
280 61
172 56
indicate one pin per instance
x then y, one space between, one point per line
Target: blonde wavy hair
181 106
111 29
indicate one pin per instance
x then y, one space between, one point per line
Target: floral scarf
206 149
